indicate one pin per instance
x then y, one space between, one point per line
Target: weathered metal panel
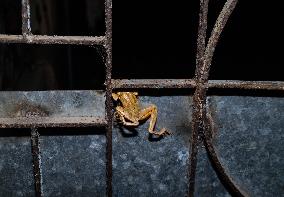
249 141
74 165
51 108
16 170
143 166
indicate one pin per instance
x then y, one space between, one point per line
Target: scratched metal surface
145 167
16 171
73 165
250 142
52 103
207 183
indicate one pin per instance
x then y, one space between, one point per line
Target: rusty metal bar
201 77
36 161
108 105
38 39
190 83
26 18
28 122
249 85
214 38
224 177
201 39
153 83
198 95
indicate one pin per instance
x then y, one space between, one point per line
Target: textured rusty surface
249 85
108 103
153 83
199 95
39 39
36 161
26 18
205 54
190 83
26 122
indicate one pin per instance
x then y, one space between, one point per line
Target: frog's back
130 102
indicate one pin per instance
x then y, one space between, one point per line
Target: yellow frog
130 113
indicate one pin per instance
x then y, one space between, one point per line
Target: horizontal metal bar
153 83
190 83
30 122
43 39
249 85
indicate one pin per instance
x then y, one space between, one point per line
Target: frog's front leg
124 115
152 111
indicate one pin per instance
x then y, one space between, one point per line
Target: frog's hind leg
152 111
122 115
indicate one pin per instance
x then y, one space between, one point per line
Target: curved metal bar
227 181
203 61
199 95
215 35
201 39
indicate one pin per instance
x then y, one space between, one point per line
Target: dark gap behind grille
250 46
10 17
154 39
35 67
68 18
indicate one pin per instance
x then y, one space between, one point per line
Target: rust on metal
249 85
152 83
213 156
26 18
203 63
214 38
198 96
28 122
39 39
108 103
36 161
190 83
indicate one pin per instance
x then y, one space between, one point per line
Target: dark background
151 39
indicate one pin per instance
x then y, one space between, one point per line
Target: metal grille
201 123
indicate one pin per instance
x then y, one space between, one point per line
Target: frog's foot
162 132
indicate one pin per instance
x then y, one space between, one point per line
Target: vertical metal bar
109 112
202 75
201 39
26 18
36 161
198 96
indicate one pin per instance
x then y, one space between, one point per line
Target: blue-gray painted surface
16 170
52 103
207 183
144 167
73 165
250 142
